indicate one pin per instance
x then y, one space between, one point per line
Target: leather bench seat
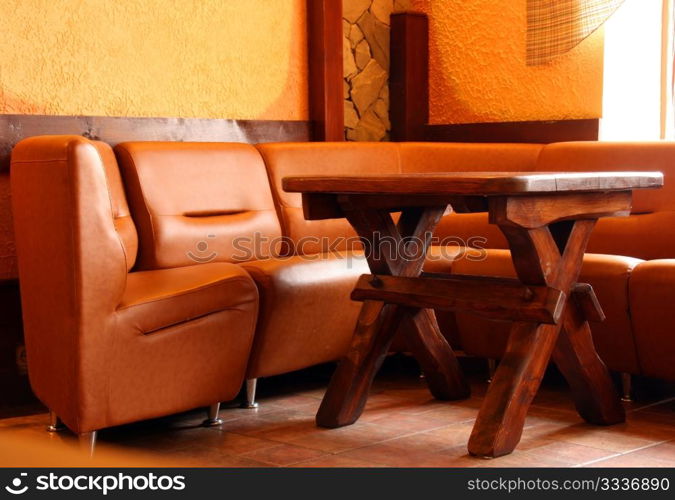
306 314
154 300
652 299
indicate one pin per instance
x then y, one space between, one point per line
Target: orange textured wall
240 59
478 71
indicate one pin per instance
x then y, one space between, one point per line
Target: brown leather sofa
107 343
202 202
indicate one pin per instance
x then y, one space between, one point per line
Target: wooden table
547 219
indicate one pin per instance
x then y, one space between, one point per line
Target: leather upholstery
467 157
181 193
634 236
191 200
652 295
106 347
162 298
324 158
306 315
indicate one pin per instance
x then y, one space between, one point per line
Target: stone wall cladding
365 45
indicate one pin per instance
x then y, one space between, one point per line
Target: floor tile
401 426
283 454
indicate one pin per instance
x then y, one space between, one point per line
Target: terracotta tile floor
402 426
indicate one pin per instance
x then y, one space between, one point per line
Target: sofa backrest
198 202
349 158
320 158
181 194
647 233
468 229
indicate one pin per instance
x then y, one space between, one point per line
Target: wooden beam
532 212
495 298
326 106
542 132
584 295
113 130
409 75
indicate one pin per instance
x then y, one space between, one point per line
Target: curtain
557 26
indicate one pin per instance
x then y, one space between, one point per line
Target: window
637 94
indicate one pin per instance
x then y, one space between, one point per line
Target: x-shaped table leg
391 249
542 259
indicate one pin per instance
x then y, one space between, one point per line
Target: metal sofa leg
87 441
251 385
492 366
55 424
626 385
213 420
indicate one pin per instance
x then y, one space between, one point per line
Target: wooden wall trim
326 102
542 132
408 77
113 130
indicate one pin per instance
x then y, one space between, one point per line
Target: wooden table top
474 183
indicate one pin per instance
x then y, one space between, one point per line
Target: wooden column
409 76
326 107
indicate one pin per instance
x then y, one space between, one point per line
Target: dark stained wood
547 219
325 205
496 298
326 106
542 132
347 392
499 424
585 298
539 210
114 130
594 394
441 370
348 389
408 76
537 258
475 183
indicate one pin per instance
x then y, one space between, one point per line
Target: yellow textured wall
478 71
241 59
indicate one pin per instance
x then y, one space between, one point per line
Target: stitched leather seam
182 322
112 211
145 207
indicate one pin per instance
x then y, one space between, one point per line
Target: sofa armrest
72 265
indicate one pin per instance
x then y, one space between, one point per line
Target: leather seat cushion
652 296
162 298
306 314
609 275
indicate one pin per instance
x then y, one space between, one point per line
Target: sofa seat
652 296
187 327
609 275
319 285
162 298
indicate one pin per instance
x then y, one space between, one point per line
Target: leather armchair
107 345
